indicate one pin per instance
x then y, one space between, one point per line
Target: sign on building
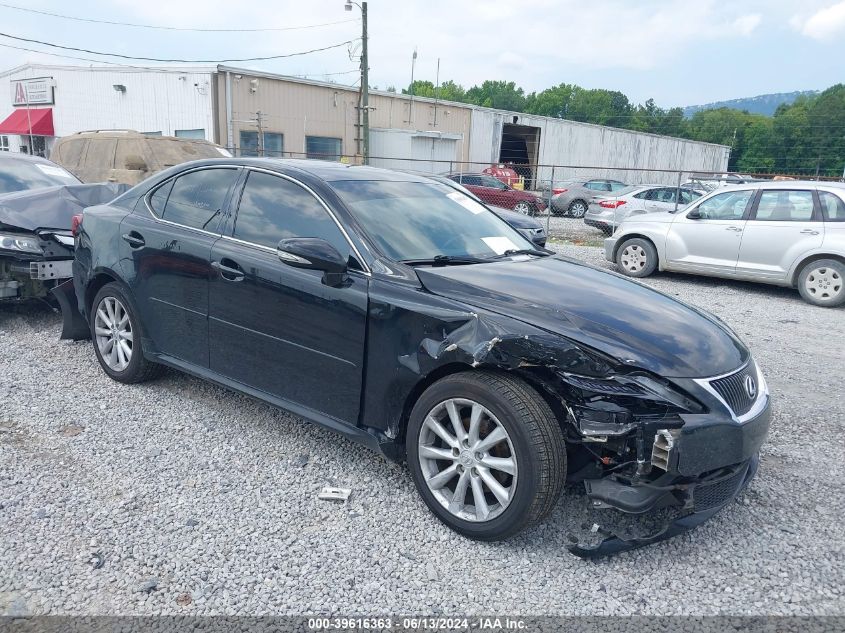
33 91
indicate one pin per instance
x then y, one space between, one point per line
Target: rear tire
463 470
577 208
636 257
116 333
822 283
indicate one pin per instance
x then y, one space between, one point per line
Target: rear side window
273 208
833 209
616 186
785 206
196 199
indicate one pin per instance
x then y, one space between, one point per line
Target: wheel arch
96 282
630 236
808 259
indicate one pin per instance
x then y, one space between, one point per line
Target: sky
678 52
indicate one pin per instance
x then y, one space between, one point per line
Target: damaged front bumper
708 463
707 498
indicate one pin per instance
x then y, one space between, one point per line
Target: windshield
414 220
22 175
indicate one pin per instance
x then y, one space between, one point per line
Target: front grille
734 389
706 496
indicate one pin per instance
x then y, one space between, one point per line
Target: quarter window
725 206
273 209
833 209
197 198
785 206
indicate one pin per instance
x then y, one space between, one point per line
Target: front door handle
737 229
809 232
134 239
228 269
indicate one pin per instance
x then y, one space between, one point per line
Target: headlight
636 386
20 243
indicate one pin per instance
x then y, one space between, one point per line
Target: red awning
19 121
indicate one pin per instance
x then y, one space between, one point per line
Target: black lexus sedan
402 314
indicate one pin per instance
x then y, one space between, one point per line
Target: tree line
806 137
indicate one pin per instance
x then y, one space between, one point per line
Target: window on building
197 198
274 144
4 143
272 209
322 147
190 134
152 133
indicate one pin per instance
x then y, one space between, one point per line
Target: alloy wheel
824 283
113 333
634 258
523 207
467 460
577 209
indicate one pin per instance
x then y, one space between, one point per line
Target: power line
171 28
87 59
178 61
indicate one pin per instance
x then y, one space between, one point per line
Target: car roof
25 158
780 184
329 171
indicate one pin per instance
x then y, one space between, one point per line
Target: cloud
823 24
745 25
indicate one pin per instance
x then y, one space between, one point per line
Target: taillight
611 204
75 223
557 191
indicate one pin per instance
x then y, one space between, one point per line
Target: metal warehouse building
258 113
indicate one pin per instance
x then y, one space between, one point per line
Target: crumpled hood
626 320
53 207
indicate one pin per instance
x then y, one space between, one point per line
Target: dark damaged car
403 315
38 200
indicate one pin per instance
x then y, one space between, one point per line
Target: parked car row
607 211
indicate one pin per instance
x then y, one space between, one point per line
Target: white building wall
571 143
159 100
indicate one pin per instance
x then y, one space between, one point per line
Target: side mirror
694 215
313 253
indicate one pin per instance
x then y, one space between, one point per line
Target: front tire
525 208
486 454
636 257
822 283
116 334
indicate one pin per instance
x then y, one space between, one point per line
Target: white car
606 211
789 233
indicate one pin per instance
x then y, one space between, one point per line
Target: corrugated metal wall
572 143
154 101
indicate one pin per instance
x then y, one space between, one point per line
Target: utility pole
411 90
365 81
259 123
365 84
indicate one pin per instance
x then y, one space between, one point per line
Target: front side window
322 147
688 195
493 183
833 209
785 206
273 208
725 206
665 195
419 221
197 198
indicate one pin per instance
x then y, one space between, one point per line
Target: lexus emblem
750 387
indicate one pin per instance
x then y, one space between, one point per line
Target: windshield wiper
521 251
443 260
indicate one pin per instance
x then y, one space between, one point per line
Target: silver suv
789 233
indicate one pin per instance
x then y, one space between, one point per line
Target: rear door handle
134 239
809 232
228 269
737 229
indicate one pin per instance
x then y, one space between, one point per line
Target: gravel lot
198 500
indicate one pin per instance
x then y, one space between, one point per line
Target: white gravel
201 501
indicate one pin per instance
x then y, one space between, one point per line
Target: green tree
504 95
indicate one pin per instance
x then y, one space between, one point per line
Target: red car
493 191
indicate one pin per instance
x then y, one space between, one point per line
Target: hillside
761 104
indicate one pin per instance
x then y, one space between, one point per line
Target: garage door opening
521 147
